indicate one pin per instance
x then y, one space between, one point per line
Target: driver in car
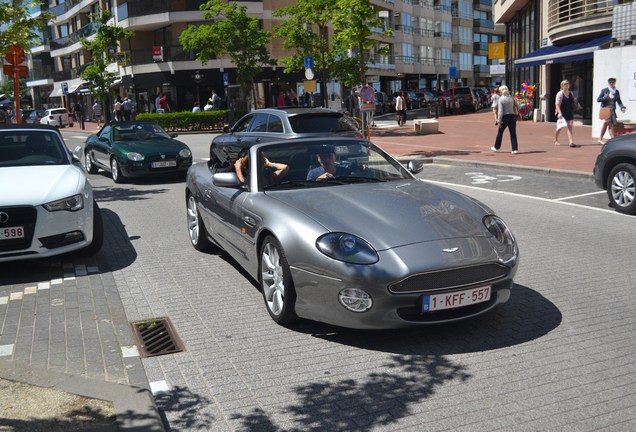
328 168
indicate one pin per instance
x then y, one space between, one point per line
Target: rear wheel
118 176
621 188
196 228
276 282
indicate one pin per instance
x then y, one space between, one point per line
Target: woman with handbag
565 112
609 98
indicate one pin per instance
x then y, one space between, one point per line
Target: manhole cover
156 337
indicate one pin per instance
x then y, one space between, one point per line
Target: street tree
18 27
306 32
231 32
103 49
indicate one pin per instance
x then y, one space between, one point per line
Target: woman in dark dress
565 109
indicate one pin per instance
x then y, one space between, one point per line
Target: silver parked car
336 230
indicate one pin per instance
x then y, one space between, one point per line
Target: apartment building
432 40
549 41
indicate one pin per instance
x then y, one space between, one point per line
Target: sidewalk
468 138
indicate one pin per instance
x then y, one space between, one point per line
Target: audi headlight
347 248
72 203
134 156
185 154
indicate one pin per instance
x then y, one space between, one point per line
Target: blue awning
583 50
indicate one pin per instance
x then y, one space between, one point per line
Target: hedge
188 121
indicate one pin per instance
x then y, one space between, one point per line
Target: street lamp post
198 78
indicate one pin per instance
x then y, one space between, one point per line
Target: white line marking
582 195
525 196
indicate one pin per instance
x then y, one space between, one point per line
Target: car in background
58 117
381 101
413 101
273 124
136 149
49 209
35 116
615 172
467 98
426 97
24 114
330 249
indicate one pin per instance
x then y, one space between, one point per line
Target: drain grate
156 337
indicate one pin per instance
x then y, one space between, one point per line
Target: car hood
391 214
154 146
37 185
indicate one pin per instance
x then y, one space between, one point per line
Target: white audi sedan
46 202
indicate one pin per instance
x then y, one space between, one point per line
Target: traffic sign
15 55
64 88
367 93
452 72
10 69
309 74
367 107
309 62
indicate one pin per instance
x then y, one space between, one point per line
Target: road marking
481 178
582 195
526 196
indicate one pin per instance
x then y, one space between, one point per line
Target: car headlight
347 248
499 230
185 154
72 203
134 156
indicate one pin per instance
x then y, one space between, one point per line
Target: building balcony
480 46
481 24
574 19
481 69
484 5
74 38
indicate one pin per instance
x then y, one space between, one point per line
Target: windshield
28 148
138 131
325 163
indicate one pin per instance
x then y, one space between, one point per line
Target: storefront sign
157 53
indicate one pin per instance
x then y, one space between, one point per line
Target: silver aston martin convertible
338 231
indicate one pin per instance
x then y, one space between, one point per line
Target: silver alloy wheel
623 188
272 279
193 221
114 169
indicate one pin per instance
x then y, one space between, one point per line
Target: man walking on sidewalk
78 112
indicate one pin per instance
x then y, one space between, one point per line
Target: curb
135 408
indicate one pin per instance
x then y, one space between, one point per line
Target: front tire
196 228
88 164
98 232
115 170
621 188
276 282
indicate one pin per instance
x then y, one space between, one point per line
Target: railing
140 8
443 35
424 32
457 40
482 2
480 46
404 28
426 61
561 11
66 41
484 23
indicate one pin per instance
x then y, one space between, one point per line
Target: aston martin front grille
450 279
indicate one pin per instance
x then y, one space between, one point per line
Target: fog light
355 300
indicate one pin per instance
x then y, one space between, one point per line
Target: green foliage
188 121
103 49
305 32
232 32
17 27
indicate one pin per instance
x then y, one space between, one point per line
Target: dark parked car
615 171
426 97
466 97
273 124
136 149
356 241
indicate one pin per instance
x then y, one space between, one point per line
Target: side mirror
226 179
415 166
77 154
103 139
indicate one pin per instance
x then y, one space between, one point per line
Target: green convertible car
136 149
